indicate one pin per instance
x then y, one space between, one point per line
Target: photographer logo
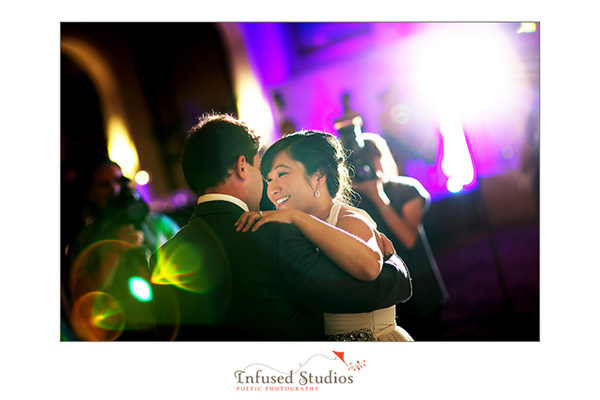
318 371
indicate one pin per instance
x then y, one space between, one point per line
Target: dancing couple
314 269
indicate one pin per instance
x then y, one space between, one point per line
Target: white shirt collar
223 197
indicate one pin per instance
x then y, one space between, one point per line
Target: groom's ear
240 167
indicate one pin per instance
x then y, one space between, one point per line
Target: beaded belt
361 335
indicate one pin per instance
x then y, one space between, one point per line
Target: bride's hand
254 220
388 247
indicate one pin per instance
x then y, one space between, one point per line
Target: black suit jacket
213 283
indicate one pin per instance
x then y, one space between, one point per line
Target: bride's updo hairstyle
317 151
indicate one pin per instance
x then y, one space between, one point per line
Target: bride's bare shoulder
348 211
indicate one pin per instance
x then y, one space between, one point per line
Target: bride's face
288 185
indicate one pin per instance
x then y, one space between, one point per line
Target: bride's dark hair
317 151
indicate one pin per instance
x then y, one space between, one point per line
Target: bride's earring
317 193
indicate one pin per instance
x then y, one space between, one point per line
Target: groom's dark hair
212 147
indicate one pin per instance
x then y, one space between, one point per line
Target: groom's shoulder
279 237
278 230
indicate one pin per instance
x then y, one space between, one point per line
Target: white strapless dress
378 325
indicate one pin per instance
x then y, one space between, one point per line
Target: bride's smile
288 186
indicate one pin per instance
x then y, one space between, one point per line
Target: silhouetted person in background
349 117
114 210
530 161
397 204
286 125
117 238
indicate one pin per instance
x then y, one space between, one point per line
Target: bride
308 181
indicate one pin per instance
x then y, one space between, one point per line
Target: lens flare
96 267
97 316
120 272
142 178
179 199
400 114
140 289
191 268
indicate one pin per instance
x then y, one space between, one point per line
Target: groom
213 283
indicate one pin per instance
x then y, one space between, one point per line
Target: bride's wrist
293 215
